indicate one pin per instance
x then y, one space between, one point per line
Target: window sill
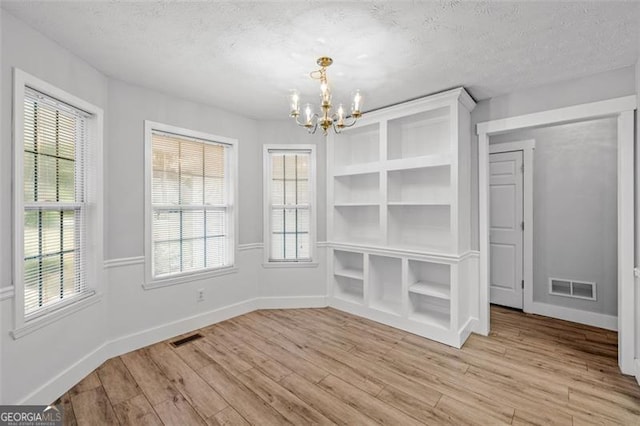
42 321
169 281
270 265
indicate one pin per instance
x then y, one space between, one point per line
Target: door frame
623 109
527 147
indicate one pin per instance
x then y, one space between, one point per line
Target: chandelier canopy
327 118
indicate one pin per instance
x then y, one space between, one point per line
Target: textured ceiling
245 56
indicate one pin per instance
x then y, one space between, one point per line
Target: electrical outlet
200 295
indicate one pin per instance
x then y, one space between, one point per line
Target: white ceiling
245 56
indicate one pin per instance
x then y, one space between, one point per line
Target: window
289 201
191 202
56 197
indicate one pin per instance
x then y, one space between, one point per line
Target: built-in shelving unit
399 217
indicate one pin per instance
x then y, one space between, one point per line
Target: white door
506 228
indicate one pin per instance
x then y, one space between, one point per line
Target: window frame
150 281
267 206
93 204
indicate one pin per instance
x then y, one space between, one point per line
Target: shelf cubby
349 289
420 227
422 134
430 310
357 189
385 283
425 185
348 264
358 146
357 223
430 279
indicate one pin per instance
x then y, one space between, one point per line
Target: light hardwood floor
323 366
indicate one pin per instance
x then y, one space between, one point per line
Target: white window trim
266 197
232 162
94 182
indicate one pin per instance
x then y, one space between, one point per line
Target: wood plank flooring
323 366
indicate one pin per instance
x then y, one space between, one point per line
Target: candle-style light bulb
340 115
308 113
294 103
356 107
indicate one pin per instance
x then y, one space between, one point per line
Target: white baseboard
466 330
609 322
62 382
292 302
637 362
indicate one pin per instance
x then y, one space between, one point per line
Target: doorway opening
622 111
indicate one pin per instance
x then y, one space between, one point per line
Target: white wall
610 84
23 367
574 210
127 316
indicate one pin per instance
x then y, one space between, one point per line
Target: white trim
528 144
595 319
623 108
7 293
123 261
276 265
391 252
527 147
292 302
185 278
580 112
637 363
266 200
322 244
250 246
74 305
94 201
151 282
63 381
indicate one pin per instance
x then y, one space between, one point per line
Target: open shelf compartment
420 227
358 145
430 279
356 224
430 310
385 284
426 185
348 264
417 135
357 189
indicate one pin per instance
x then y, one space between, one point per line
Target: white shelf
356 169
434 160
427 186
352 273
444 202
441 291
355 204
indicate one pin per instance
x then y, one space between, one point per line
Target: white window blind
290 207
54 164
190 204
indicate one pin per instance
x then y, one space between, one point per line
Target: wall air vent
185 340
575 289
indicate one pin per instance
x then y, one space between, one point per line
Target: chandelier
326 118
